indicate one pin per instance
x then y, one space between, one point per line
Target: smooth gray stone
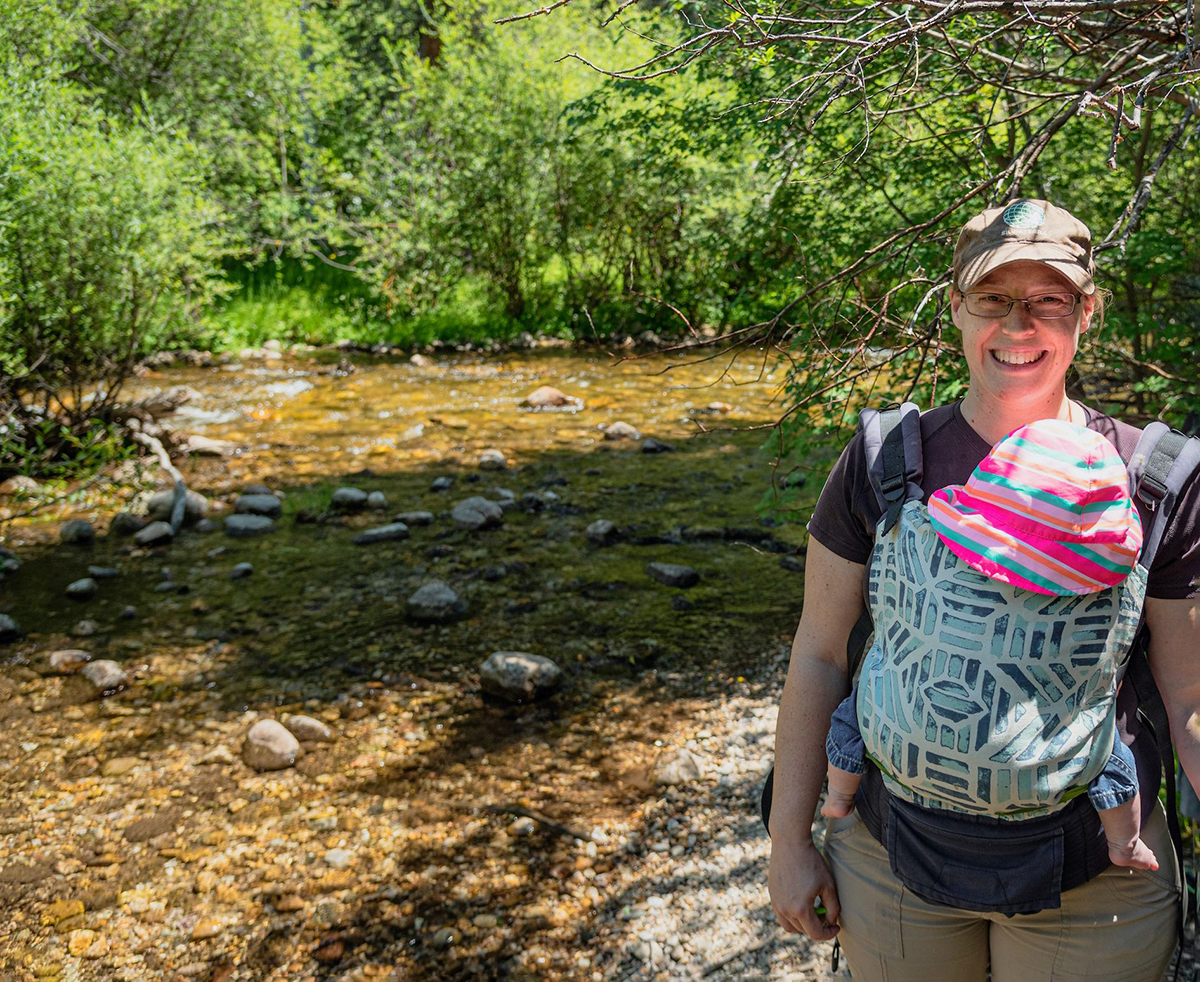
672 574
247 526
126 523
83 589
259 504
435 603
348 499
195 506
650 445
477 513
519 676
442 484
384 533
257 489
77 532
103 572
415 518
155 534
241 571
376 500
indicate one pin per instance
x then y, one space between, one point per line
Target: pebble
493 460
66 661
339 858
394 532
602 532
103 572
107 676
435 603
376 501
621 431
308 730
206 927
415 518
519 676
269 746
247 526
442 484
241 571
85 628
259 504
477 513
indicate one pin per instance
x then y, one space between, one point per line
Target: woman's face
1019 357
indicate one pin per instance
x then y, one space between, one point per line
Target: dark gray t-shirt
846 514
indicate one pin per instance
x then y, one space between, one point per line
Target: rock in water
269 746
493 460
308 730
435 603
259 504
67 661
246 526
376 501
195 506
9 629
384 533
155 534
621 431
650 445
672 574
519 676
442 484
348 499
548 396
126 523
78 532
241 571
257 489
107 676
415 517
477 513
83 589
602 532
680 767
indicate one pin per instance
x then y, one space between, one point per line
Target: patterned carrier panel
982 697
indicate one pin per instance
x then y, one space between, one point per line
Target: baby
1114 792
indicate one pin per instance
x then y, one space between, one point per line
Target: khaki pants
1118 927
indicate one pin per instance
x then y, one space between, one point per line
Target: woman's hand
798 877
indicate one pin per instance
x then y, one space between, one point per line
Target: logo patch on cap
1023 214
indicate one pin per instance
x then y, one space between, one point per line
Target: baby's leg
839 802
1122 829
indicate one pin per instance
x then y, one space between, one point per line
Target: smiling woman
1022 296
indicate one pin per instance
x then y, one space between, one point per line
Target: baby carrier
986 710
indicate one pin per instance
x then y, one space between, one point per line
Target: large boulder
477 513
78 532
270 746
435 603
195 506
519 676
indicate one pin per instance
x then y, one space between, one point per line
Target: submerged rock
270 746
650 445
477 513
519 676
246 526
415 517
442 484
107 676
241 571
384 533
376 501
10 630
155 534
259 504
67 661
103 572
435 603
673 574
83 589
78 532
547 397
602 532
308 730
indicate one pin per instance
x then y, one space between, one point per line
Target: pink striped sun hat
1048 509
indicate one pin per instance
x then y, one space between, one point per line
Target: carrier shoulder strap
1162 463
895 462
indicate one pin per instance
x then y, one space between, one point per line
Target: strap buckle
891 486
1151 491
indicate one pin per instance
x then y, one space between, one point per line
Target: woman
1117 925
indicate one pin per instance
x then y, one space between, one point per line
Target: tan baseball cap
1026 229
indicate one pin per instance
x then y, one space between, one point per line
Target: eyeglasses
1046 306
